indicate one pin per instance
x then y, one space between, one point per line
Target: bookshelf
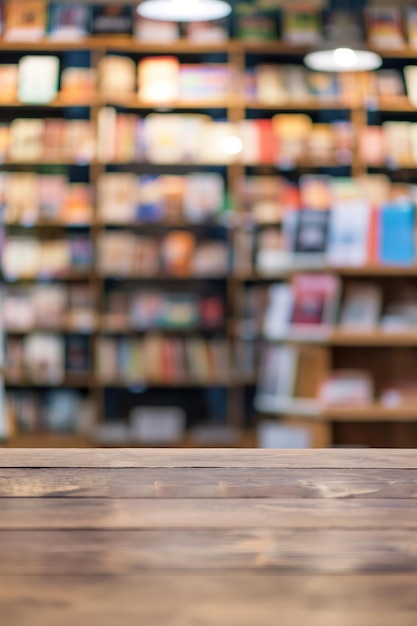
235 107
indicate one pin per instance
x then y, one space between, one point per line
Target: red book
373 235
268 142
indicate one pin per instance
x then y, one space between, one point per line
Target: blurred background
207 233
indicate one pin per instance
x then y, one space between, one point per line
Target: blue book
396 242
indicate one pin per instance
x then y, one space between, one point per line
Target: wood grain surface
210 537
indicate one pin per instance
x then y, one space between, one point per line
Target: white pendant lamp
184 10
343 49
343 59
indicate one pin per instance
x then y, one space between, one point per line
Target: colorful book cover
384 27
112 19
207 32
253 24
9 80
301 26
315 300
411 16
68 21
25 20
397 227
410 74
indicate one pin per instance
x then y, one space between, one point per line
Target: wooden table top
208 537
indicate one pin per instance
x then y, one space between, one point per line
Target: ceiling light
344 59
184 10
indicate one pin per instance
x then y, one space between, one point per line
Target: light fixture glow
184 10
345 57
232 145
343 60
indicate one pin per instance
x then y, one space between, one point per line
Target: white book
38 79
272 434
277 375
278 314
410 74
362 305
348 234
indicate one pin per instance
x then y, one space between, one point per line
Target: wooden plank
207 483
328 459
229 600
101 513
109 553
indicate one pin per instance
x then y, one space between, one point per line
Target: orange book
268 142
25 20
373 235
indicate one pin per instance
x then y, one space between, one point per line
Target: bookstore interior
207 216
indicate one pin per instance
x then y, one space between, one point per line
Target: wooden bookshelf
236 106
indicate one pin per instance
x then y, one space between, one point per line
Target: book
211 258
38 79
213 31
52 192
270 84
49 305
203 196
361 308
116 197
44 358
372 146
77 207
25 20
348 233
155 30
311 236
315 301
77 351
157 425
397 225
301 26
9 80
272 254
22 198
389 84
347 388
78 84
112 19
149 201
116 77
273 435
410 75
292 132
397 137
201 82
344 25
26 140
411 26
253 24
278 314
158 79
277 377
384 27
315 192
68 21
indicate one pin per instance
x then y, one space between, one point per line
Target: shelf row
331 337
182 46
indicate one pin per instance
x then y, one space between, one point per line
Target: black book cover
112 19
311 232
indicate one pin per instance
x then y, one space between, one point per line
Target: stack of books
178 253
